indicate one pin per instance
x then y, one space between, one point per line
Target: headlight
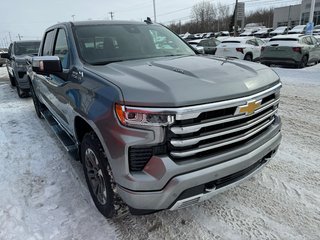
139 117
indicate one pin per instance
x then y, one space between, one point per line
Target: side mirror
46 65
5 55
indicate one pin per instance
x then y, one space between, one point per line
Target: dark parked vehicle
2 60
158 127
263 33
17 64
209 45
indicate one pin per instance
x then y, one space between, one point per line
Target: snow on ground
44 195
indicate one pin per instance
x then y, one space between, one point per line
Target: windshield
22 48
280 29
298 28
102 44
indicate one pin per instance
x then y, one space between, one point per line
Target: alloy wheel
95 176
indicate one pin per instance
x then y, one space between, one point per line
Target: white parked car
247 48
279 31
316 30
298 29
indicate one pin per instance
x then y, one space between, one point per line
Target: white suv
247 48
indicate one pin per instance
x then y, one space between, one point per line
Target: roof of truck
101 22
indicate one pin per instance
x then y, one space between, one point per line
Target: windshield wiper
105 62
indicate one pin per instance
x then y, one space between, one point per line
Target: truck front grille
220 129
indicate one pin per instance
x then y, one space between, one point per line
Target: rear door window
48 42
252 42
61 48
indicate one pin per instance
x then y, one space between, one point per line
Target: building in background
305 12
283 15
296 14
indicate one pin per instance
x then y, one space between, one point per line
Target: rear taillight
297 49
262 48
240 50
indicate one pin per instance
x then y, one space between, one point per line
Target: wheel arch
82 126
250 54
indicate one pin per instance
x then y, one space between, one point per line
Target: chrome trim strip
234 140
196 128
183 113
192 141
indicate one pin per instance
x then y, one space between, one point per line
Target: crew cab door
10 62
53 87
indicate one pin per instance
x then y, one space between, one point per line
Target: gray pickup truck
155 124
18 53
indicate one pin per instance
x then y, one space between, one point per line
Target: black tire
38 106
98 175
303 62
248 57
19 91
12 80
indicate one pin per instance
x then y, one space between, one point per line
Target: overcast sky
30 18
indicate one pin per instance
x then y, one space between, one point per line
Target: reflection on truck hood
185 81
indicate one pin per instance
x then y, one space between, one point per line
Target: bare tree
263 16
209 17
204 15
223 16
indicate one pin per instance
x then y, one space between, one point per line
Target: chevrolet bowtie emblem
249 108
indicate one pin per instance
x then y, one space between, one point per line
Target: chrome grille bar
197 127
247 125
188 153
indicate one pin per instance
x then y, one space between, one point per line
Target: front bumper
22 78
170 195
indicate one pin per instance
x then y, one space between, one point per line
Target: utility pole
10 37
154 11
73 17
111 15
235 30
288 25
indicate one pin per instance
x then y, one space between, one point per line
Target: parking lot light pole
313 3
154 11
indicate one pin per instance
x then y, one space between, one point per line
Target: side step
65 139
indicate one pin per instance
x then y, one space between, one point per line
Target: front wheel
98 175
21 94
12 80
38 106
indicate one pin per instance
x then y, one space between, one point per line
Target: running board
64 138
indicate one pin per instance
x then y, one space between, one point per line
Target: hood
185 81
21 59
